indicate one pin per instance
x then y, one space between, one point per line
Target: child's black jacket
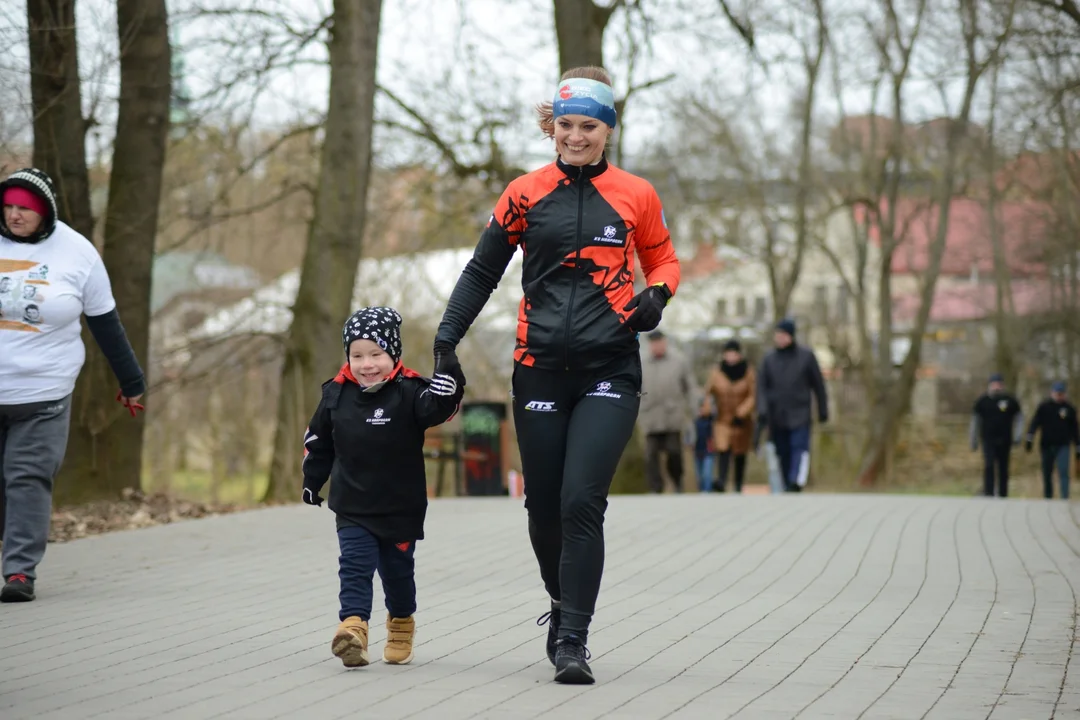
370 444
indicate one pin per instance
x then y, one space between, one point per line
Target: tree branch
743 28
494 165
205 222
1069 8
620 104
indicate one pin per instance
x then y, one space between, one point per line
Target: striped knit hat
41 185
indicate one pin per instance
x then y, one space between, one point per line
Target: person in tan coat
732 386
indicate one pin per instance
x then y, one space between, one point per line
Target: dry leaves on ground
135 510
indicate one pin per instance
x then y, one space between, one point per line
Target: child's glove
312 498
444 385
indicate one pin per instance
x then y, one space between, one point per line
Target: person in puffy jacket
789 382
732 385
580 223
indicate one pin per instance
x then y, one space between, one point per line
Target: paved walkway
712 607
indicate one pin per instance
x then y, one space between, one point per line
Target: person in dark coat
997 422
789 380
367 436
1055 418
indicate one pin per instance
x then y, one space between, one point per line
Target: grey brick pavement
712 607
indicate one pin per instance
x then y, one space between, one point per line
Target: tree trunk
579 30
59 128
884 428
105 447
805 182
1003 304
324 300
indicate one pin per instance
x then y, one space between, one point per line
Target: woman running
577 369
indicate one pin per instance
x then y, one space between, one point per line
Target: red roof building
968 245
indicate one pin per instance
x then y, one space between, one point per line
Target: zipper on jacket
577 262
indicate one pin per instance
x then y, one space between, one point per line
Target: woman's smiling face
580 139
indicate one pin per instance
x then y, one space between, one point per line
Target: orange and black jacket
578 228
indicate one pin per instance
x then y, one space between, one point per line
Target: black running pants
572 428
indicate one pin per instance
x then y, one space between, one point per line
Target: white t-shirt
44 289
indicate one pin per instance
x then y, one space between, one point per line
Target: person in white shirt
50 276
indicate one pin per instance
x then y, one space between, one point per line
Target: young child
704 448
367 435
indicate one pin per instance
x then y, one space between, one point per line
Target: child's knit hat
381 325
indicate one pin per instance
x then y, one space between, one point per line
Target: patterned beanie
381 325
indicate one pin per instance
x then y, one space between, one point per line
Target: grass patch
198 486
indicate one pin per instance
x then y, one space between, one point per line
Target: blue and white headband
578 96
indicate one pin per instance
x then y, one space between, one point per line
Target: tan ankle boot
399 640
350 642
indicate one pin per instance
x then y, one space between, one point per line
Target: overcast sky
491 52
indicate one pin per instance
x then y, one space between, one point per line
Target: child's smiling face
369 362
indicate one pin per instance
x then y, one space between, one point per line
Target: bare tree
328 275
104 448
892 399
59 127
784 276
1004 309
1047 175
767 185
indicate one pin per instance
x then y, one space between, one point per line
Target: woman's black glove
446 363
648 307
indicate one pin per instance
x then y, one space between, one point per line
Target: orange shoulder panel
637 203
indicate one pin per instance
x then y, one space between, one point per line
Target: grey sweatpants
33 439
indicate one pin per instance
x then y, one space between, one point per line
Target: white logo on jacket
538 406
609 237
377 418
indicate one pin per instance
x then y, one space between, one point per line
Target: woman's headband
578 96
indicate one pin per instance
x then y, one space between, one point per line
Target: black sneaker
571 666
18 588
552 618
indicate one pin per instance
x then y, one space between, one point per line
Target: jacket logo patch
604 390
1003 405
610 236
377 418
538 406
